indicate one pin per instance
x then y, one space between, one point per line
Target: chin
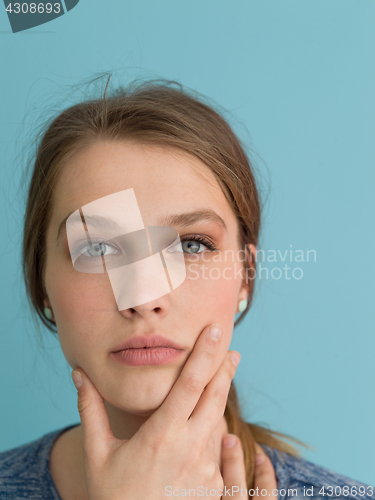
143 413
144 408
140 401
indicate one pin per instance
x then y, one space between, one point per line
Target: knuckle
220 399
218 480
83 404
212 474
193 384
230 368
211 470
209 352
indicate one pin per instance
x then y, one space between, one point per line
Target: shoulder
24 470
301 478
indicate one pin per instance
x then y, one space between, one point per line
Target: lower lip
148 356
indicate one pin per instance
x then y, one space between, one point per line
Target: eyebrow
185 219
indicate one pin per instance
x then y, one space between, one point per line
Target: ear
251 252
251 256
46 303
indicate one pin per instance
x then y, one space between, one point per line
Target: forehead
163 180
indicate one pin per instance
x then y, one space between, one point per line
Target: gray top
24 473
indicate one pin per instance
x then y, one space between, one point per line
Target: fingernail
77 379
230 441
259 459
215 332
235 357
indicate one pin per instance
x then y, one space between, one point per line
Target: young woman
152 370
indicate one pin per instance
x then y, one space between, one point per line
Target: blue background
299 76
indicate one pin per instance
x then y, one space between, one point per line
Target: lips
146 341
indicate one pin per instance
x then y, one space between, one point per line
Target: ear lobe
47 309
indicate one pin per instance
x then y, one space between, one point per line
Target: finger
233 468
96 430
211 405
186 391
264 476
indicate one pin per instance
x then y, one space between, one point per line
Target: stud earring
47 313
242 305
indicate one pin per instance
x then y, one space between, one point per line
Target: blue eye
98 249
192 244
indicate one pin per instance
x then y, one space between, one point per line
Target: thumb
96 429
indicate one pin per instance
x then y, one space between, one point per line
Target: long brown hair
160 112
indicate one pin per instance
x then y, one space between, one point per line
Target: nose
155 308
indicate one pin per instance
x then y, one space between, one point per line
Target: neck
67 459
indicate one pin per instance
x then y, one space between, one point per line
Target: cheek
83 305
213 290
214 286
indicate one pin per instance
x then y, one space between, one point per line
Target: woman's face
165 182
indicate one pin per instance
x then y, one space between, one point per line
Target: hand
173 448
234 474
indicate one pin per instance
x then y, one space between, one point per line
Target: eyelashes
200 239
